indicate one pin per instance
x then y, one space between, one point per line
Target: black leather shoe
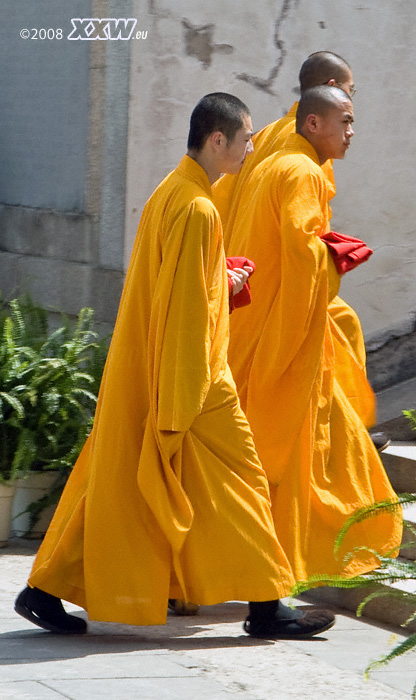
307 625
47 611
380 440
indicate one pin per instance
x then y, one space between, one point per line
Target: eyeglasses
352 91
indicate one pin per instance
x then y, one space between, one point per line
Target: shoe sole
304 635
27 613
384 447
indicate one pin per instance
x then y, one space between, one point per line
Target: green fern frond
30 321
399 568
386 593
411 416
51 400
53 342
7 340
325 580
85 394
83 376
390 571
372 510
361 548
14 402
409 526
19 326
25 452
81 336
410 619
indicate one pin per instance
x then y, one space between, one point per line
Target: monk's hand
239 277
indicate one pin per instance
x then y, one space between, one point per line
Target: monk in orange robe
318 456
168 498
322 67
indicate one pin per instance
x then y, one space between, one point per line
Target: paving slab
145 689
94 665
206 657
28 690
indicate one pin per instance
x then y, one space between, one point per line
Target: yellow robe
349 341
168 497
317 454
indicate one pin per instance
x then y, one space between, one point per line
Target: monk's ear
216 140
332 82
311 123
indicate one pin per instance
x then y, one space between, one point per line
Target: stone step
390 406
399 461
384 609
408 550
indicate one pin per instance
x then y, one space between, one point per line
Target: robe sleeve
309 278
184 369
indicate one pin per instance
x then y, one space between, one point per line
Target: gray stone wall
62 158
44 116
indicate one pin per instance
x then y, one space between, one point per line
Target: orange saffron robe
346 326
168 497
318 456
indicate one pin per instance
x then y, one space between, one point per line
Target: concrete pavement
207 657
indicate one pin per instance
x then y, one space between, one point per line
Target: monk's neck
206 163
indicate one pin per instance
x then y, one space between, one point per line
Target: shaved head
322 66
319 100
218 111
324 118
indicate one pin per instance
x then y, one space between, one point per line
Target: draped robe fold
168 497
350 364
318 456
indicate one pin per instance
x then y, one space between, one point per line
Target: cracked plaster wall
255 50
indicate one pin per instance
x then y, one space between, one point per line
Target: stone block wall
62 159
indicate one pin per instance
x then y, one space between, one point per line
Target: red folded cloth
243 298
347 251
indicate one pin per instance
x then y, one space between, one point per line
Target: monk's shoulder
181 198
297 167
203 208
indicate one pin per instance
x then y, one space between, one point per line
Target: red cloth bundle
347 251
243 298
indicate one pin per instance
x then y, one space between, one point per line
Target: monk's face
236 150
335 131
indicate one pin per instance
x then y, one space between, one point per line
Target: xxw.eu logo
104 29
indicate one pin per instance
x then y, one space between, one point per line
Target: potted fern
49 402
